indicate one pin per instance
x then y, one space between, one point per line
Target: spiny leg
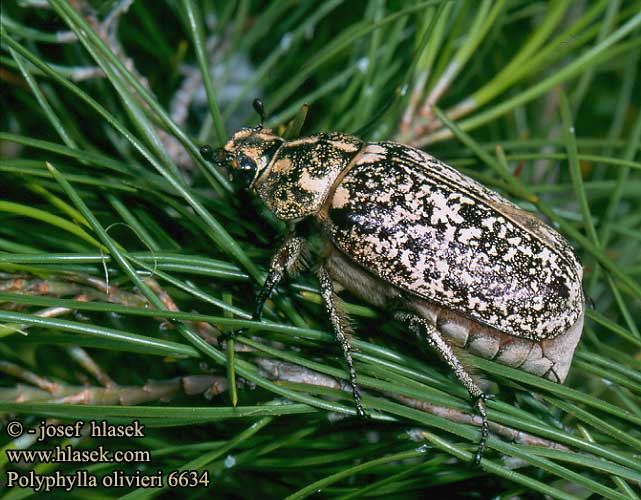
284 260
427 329
339 325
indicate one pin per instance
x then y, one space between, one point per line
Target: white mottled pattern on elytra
458 330
371 157
341 197
436 233
464 183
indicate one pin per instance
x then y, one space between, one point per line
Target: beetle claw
225 336
361 413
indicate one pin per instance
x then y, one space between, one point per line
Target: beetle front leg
427 329
339 325
285 259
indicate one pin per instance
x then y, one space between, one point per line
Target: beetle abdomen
549 358
428 230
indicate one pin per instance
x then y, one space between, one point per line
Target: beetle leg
427 329
340 326
284 260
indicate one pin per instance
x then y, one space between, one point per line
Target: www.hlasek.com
70 479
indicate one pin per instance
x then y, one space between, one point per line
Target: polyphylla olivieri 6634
457 263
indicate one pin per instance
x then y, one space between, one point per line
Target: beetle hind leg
341 328
426 329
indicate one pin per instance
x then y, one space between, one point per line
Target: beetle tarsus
340 327
360 411
273 278
231 335
485 428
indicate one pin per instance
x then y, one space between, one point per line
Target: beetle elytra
457 263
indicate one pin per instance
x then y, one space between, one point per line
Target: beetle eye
244 174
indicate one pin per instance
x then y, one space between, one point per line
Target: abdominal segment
549 358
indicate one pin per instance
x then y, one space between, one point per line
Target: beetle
460 265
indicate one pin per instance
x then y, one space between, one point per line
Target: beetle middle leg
338 321
427 329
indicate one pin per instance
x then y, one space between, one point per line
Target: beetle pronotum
457 263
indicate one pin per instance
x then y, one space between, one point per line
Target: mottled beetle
460 265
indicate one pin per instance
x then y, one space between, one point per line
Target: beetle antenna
384 109
259 107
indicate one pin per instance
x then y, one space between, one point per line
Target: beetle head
246 155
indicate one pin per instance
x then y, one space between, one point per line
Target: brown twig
284 371
125 395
